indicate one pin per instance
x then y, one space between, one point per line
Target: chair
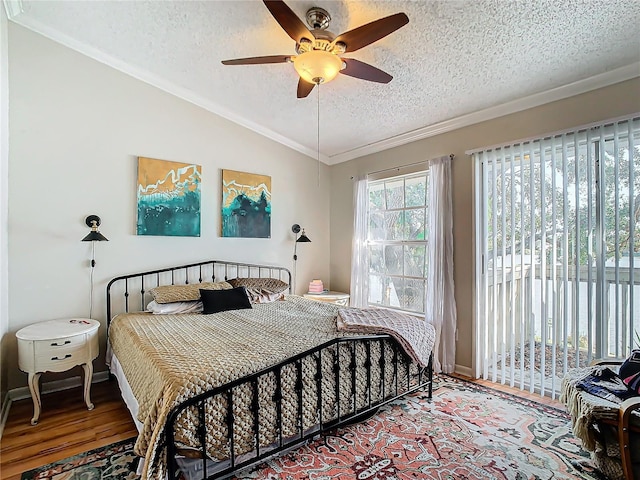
610 431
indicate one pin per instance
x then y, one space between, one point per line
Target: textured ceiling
455 59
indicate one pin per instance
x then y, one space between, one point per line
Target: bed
215 393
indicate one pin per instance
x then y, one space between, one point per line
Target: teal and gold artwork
168 198
246 205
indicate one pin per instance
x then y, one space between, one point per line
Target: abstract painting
168 198
246 205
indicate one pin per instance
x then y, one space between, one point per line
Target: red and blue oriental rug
466 432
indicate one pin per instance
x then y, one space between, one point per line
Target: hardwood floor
515 391
67 428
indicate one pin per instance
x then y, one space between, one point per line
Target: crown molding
581 86
14 9
162 84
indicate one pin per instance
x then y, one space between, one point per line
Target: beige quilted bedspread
168 358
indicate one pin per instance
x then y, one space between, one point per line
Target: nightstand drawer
44 347
41 356
61 360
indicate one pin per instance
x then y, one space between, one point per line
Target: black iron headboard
131 292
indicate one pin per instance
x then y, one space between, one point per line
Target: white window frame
373 243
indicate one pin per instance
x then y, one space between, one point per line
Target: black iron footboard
344 380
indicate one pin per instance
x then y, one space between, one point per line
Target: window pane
395 194
377 229
383 291
394 225
413 295
393 259
376 196
415 189
414 259
376 289
376 260
415 224
394 289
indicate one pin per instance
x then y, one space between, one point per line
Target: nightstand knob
66 342
68 355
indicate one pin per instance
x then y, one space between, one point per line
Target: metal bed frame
390 360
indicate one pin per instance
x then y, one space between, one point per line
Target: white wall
4 194
77 127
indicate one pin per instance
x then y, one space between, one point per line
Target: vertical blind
559 253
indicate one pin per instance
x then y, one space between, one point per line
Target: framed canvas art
246 205
168 198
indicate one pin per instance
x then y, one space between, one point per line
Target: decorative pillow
630 371
262 295
215 301
174 307
185 293
272 285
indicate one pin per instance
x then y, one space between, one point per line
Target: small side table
57 346
339 298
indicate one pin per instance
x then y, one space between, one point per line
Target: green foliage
554 203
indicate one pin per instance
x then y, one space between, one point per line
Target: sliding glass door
559 253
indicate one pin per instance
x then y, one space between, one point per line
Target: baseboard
4 412
55 386
466 371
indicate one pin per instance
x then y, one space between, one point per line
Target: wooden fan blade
371 32
358 69
304 88
258 60
288 20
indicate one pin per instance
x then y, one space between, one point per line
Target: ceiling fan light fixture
319 51
317 66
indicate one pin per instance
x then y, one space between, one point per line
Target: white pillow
174 307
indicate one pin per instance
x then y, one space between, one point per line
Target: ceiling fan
319 50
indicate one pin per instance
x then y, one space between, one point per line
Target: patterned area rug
115 461
467 432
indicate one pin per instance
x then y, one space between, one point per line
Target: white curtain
359 257
440 304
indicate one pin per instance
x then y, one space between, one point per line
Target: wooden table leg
88 375
34 387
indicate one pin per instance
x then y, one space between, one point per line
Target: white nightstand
338 298
57 346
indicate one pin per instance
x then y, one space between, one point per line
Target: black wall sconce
93 236
302 238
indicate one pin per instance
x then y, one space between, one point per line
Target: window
397 241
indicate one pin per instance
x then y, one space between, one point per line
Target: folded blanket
415 335
585 407
605 383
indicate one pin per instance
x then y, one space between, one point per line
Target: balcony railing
541 322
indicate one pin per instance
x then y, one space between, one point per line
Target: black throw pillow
215 301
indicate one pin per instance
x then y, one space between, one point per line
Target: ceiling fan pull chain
318 139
